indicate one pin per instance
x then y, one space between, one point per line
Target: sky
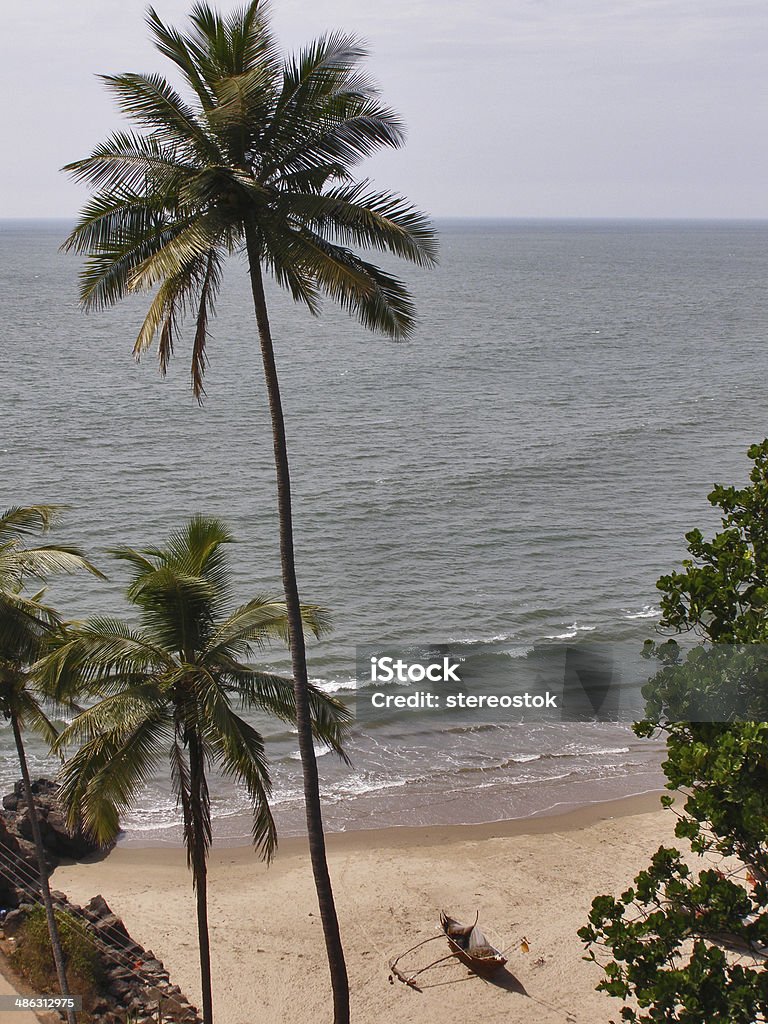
514 108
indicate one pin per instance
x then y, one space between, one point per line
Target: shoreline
567 814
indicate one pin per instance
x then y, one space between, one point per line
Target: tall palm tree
259 158
167 690
26 626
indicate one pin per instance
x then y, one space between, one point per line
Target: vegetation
691 946
27 626
258 159
167 691
33 956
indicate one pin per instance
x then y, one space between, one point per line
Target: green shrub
33 956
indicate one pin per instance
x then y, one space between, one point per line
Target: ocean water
521 471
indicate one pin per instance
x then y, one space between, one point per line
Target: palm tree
26 626
258 159
167 689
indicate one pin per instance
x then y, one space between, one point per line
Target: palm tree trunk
45 889
200 877
316 836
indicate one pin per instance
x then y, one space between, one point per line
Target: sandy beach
533 878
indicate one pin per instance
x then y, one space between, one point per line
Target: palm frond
100 781
130 161
233 45
185 248
30 714
258 621
125 709
336 138
195 284
199 827
242 102
107 275
172 44
199 547
114 218
276 696
328 112
375 220
99 656
326 67
183 587
20 520
239 750
251 43
154 104
51 560
208 291
380 301
180 782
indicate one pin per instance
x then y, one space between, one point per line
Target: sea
520 472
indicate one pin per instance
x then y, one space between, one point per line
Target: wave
478 640
573 630
334 685
545 756
320 751
648 611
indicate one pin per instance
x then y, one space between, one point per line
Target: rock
112 931
13 922
98 906
58 839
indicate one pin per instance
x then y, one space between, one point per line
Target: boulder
59 840
12 922
97 907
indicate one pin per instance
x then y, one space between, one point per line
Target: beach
532 878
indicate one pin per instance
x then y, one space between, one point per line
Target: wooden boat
470 946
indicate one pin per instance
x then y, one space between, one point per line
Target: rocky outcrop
58 840
135 980
18 865
18 862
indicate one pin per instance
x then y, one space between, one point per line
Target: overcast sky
515 108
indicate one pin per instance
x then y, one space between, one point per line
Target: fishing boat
470 946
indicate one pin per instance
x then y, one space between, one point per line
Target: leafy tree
167 690
258 159
26 626
691 946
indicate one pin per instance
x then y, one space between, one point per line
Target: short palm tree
27 625
258 159
167 690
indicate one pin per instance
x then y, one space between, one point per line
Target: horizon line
503 218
